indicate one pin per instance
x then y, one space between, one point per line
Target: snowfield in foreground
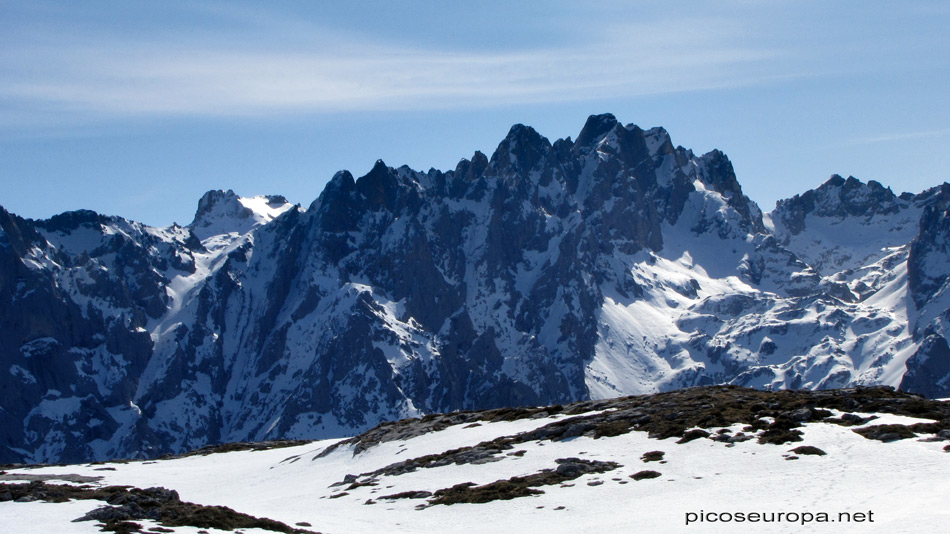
893 483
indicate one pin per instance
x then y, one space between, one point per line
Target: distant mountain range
613 264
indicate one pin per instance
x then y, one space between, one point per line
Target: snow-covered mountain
612 264
716 459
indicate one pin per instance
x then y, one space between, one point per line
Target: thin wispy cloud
901 136
217 74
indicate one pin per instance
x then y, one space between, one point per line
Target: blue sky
137 108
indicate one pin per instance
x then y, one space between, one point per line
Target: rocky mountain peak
342 183
17 233
216 200
838 197
521 152
596 127
217 206
469 170
224 212
379 187
932 196
70 221
659 142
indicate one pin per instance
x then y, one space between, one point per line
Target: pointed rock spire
521 150
379 186
595 128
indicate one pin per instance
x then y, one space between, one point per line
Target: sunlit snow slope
390 479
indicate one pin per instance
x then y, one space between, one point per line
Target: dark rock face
928 370
56 349
926 266
545 273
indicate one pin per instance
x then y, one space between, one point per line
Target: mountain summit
546 273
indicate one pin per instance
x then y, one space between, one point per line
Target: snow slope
902 485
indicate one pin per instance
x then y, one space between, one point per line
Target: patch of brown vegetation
693 434
781 431
808 450
128 504
888 433
500 490
646 474
514 487
408 495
